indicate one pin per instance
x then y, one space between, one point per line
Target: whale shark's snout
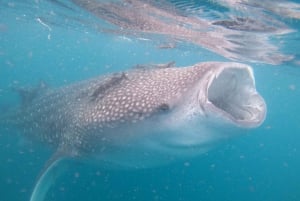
231 93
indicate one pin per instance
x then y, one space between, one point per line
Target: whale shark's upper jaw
231 93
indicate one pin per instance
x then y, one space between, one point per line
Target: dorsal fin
112 81
29 93
155 66
51 171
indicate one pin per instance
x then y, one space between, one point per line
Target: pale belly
150 145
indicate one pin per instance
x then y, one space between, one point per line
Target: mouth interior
233 94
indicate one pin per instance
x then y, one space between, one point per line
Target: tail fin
27 94
9 119
53 169
9 115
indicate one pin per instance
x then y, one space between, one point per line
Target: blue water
262 164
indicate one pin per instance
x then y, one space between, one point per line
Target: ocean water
60 42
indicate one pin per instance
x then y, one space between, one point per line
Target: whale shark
140 118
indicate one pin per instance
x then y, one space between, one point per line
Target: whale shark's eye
163 108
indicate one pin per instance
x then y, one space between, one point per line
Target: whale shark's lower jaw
231 92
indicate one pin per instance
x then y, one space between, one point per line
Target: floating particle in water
23 190
76 175
268 127
292 87
186 164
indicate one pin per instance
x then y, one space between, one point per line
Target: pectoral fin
52 170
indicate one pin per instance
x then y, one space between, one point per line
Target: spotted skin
140 118
71 116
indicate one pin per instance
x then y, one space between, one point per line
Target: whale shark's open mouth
232 93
